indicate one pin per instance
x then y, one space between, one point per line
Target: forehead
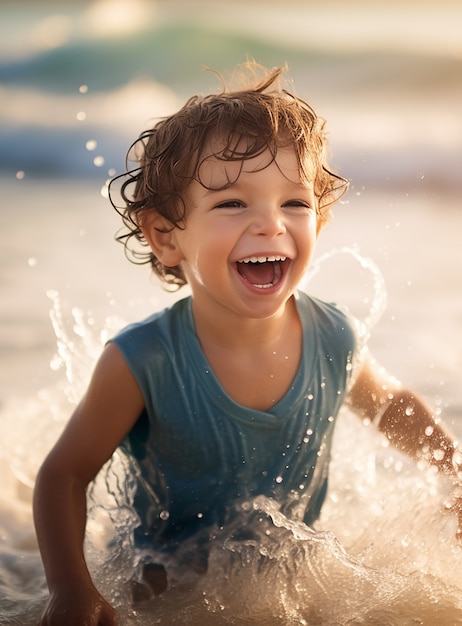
216 171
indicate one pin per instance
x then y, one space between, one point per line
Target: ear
160 235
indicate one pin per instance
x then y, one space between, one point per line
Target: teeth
262 259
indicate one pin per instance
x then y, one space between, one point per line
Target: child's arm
110 407
407 422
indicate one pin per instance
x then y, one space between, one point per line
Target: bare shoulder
111 406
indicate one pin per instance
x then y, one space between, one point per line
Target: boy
234 391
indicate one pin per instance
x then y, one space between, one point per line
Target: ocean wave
391 113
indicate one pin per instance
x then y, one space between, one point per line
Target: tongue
258 273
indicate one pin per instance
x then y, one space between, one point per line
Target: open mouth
262 272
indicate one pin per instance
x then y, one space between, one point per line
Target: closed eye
298 204
230 204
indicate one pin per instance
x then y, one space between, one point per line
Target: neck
255 360
238 333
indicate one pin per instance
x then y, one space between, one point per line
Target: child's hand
78 608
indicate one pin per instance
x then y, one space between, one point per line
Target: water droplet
83 88
104 191
200 515
56 363
438 454
457 459
98 161
409 410
309 396
32 261
91 144
81 116
20 174
164 515
429 431
279 479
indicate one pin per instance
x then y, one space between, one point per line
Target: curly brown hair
247 122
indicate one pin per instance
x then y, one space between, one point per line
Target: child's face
247 247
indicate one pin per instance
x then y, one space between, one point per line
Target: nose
269 222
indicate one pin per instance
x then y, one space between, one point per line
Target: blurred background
80 80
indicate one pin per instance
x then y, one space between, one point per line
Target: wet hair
231 126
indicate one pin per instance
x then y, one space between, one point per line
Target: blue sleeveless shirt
197 454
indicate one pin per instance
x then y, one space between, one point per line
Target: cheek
307 233
207 260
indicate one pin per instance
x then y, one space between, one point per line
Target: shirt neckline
294 393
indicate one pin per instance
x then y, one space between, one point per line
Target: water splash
364 294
